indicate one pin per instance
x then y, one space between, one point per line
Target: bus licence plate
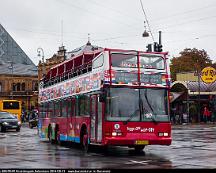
142 142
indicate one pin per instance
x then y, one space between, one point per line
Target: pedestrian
23 117
214 117
206 115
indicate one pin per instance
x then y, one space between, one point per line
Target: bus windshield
129 104
10 105
146 61
152 62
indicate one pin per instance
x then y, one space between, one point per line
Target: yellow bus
11 106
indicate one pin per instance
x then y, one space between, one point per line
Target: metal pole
12 78
11 67
40 50
198 72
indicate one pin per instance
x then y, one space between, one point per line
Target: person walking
206 115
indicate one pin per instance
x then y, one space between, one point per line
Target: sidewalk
209 124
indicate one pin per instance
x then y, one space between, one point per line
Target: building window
14 87
23 86
35 86
0 87
18 86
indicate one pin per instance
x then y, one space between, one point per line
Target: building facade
190 95
18 74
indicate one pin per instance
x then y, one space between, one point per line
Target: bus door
99 119
93 117
96 119
72 120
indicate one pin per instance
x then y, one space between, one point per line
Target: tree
189 60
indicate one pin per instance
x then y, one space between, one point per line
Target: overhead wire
146 19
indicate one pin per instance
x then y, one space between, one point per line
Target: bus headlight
165 134
117 134
114 134
5 123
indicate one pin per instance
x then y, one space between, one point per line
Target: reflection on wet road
193 146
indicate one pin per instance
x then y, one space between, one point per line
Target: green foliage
189 60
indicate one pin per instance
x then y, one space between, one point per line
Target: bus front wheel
139 148
84 139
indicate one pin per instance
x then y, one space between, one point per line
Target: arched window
18 86
14 87
35 86
23 86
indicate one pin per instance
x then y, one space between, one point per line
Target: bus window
98 62
69 108
50 109
84 103
58 109
64 108
42 110
10 105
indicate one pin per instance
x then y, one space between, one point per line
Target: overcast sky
111 23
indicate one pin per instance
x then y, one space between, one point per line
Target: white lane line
138 162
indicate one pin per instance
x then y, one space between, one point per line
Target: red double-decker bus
107 97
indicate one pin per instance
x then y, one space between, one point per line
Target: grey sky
111 23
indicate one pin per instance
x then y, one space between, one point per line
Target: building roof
194 86
12 56
18 69
87 49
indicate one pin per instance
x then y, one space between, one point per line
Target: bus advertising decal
71 87
139 129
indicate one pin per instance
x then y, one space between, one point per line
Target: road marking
138 162
2 135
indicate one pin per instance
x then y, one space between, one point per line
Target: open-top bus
11 106
107 97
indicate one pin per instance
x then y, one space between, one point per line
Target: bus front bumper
131 141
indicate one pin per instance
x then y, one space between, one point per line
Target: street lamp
145 33
40 51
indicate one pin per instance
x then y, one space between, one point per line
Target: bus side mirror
102 97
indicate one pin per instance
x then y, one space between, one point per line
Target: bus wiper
131 116
147 101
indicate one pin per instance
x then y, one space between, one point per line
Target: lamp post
40 51
12 69
198 75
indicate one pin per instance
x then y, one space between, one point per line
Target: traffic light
149 48
155 47
160 47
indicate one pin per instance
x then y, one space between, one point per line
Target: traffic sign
208 75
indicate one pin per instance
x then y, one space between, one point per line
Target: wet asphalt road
193 146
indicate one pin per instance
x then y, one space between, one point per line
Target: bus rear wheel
49 133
